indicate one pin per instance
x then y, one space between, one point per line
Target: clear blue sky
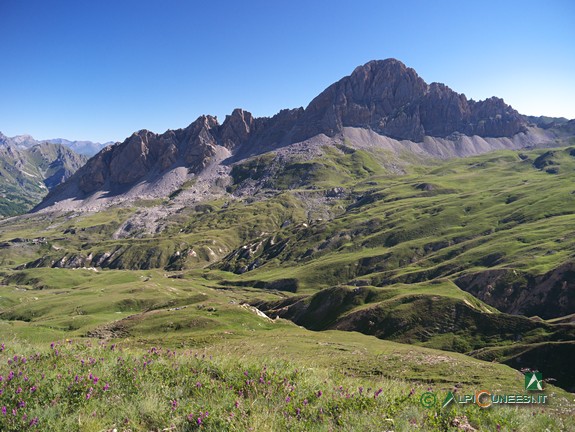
101 69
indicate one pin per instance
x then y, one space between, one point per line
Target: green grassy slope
471 256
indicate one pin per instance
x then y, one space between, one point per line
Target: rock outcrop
550 295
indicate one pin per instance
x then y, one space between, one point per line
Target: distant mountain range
86 148
29 169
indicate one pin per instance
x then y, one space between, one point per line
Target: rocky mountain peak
388 83
391 99
237 128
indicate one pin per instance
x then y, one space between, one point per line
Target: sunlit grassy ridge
495 210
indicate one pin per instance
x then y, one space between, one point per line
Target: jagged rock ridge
86 148
383 97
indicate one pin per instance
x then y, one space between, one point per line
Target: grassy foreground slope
143 351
